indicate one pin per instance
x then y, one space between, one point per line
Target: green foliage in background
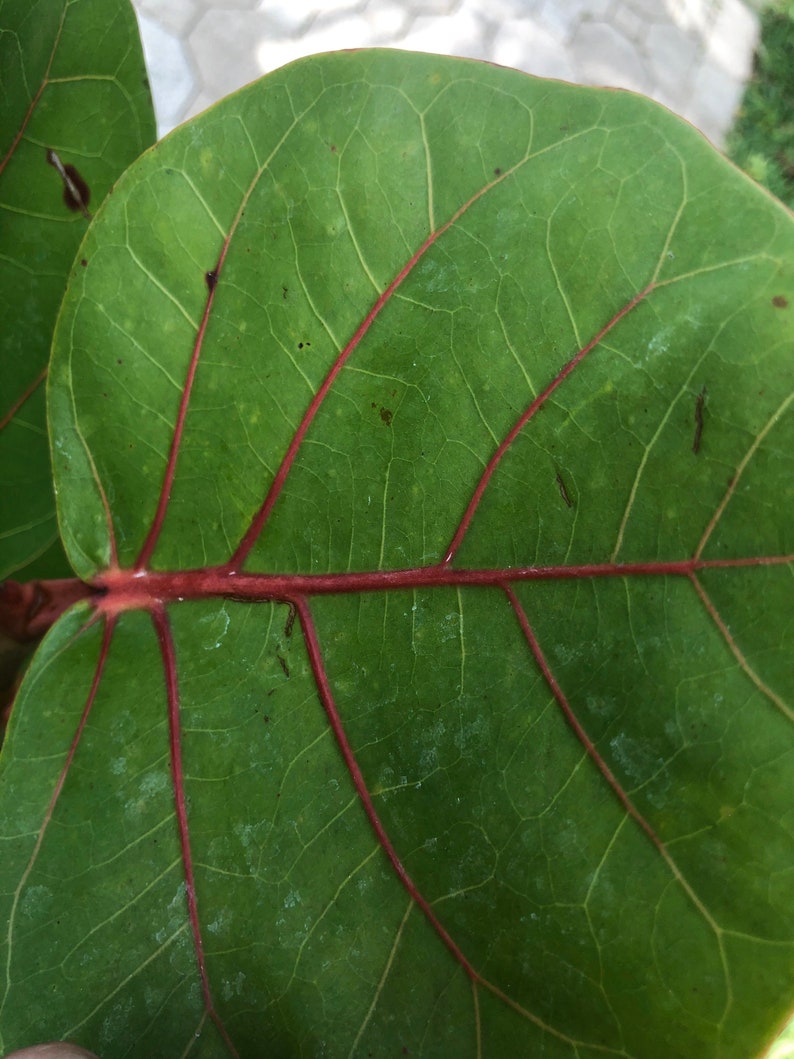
762 139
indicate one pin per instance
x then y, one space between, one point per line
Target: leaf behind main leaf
74 93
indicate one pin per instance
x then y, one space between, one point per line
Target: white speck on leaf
292 899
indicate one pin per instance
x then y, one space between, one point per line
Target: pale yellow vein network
154 280
191 1044
658 285
431 218
127 904
767 427
331 903
72 1030
384 976
641 468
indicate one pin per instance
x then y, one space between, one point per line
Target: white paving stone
631 25
336 34
232 5
532 49
301 10
715 99
498 11
225 49
672 54
201 103
694 55
424 8
175 15
289 17
648 10
386 22
170 76
603 56
448 35
734 26
561 17
695 15
271 54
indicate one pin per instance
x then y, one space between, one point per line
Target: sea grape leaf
73 90
425 431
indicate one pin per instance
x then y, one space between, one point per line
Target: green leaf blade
546 812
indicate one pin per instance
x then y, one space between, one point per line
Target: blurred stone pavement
694 56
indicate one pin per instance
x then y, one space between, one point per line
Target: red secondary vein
168 480
571 717
525 417
737 652
107 636
34 102
15 407
258 523
595 756
326 696
163 630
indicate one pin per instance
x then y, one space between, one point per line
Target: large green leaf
426 431
72 81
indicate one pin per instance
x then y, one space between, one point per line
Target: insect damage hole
76 193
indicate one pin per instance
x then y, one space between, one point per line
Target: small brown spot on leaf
386 415
84 262
780 302
699 403
76 193
212 279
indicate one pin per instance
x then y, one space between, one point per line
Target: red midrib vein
121 590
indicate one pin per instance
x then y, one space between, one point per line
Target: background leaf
72 80
389 762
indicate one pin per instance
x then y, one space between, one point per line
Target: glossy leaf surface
435 463
74 92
